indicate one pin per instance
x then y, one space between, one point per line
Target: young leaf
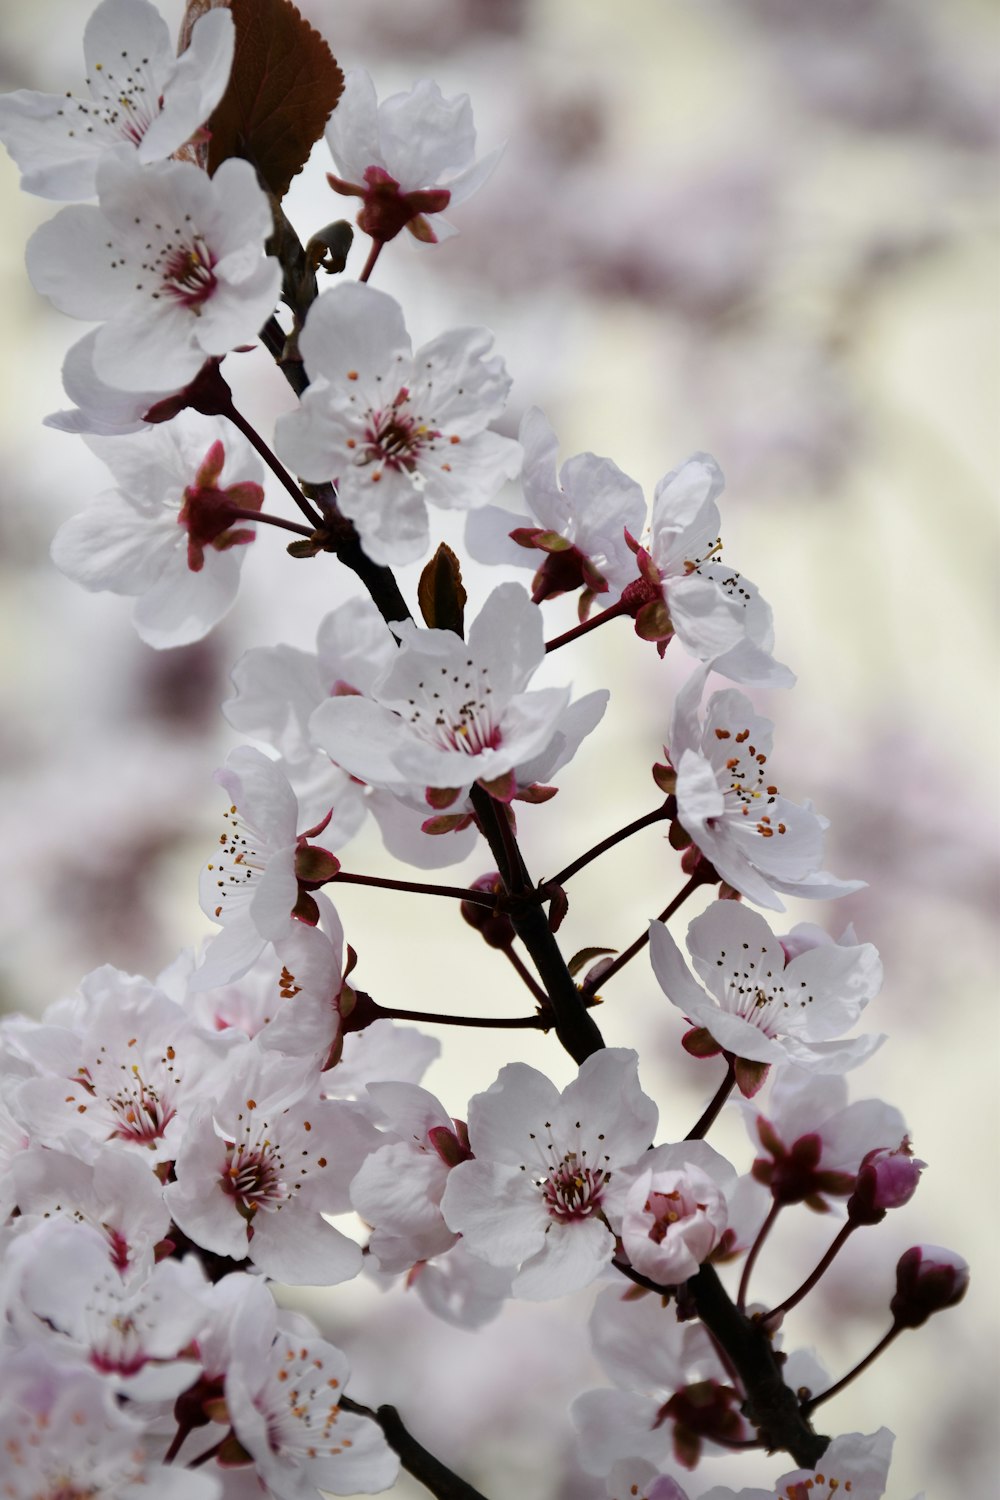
284 85
440 593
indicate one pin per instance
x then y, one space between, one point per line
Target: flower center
253 1177
748 791
123 104
141 1113
187 273
572 1191
453 710
300 1404
395 437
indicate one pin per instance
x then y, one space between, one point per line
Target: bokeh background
765 228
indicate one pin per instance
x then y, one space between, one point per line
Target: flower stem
415 1459
755 1249
612 839
203 1458
456 892
699 1131
628 953
611 613
814 1401
238 513
275 465
811 1280
373 255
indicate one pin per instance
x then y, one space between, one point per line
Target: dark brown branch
415 1459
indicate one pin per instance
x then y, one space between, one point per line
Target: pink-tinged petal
352 133
275 897
389 513
681 495
496 1209
470 475
399 1189
572 1256
618 1119
673 974
504 1119
277 688
128 348
508 637
262 794
846 978
858 1460
706 621
352 327
196 83
407 1109
133 24
182 606
576 721
308 1252
425 136
112 546
727 937
831 1057
69 262
615 1425
746 662
56 159
232 951
454 380
359 735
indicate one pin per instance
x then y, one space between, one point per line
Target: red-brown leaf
284 85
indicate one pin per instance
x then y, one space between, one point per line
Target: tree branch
415 1459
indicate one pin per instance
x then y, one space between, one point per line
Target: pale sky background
763 229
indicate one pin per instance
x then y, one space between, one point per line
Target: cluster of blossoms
172 1148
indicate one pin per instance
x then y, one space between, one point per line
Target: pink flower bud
928 1279
672 1223
886 1179
495 926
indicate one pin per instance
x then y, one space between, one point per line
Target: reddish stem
755 1249
629 953
275 465
373 255
808 1406
501 1023
609 843
811 1280
238 513
525 973
611 613
456 892
697 1132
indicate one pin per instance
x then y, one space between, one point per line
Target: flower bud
495 926
886 1179
928 1279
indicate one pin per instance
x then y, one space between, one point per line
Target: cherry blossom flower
283 1390
63 1434
61 1288
396 430
408 157
450 712
115 1193
675 1210
125 1066
253 886
98 408
143 100
382 1051
398 1189
171 263
757 840
856 1464
717 614
544 1172
759 1005
259 1166
171 532
652 1359
815 1141
581 521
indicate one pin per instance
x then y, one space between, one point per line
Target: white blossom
449 712
676 1210
545 1170
166 534
408 157
171 263
262 1163
143 101
758 841
396 429
760 1004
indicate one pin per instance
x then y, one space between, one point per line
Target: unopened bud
886 1179
928 1279
495 926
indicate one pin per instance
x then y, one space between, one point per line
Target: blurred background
764 228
